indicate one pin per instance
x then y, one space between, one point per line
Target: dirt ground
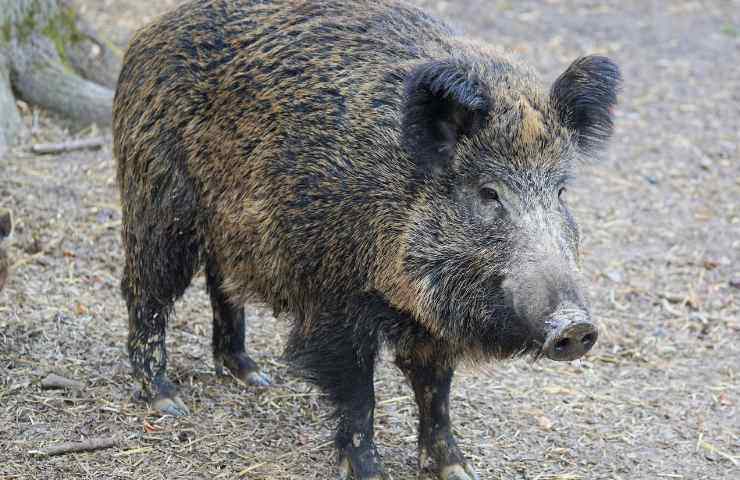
660 215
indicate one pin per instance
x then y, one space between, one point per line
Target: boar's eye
489 194
489 204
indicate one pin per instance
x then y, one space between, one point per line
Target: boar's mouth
505 333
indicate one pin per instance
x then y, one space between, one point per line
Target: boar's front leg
336 349
358 456
438 450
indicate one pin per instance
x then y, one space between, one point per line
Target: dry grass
657 399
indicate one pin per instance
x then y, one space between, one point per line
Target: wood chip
53 381
544 423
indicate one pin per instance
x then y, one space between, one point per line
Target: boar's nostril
562 344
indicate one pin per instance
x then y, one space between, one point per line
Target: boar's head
490 245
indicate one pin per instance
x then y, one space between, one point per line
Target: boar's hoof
458 472
243 368
444 458
171 406
259 379
162 395
166 399
361 464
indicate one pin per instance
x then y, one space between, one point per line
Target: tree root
10 119
52 58
41 79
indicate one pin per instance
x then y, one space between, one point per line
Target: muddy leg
146 349
358 456
228 335
156 274
438 450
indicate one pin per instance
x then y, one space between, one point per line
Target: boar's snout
570 334
547 298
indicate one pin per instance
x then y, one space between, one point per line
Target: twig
57 381
71 146
74 447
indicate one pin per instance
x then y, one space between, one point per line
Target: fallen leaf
710 264
150 428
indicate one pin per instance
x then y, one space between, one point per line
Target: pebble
615 276
651 179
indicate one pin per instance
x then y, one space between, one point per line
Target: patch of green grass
62 31
6 31
731 30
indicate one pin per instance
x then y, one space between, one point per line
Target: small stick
74 447
56 381
71 146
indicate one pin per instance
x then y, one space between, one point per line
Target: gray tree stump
52 58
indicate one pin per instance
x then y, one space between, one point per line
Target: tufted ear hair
585 95
444 102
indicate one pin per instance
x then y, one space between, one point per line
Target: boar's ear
585 95
444 102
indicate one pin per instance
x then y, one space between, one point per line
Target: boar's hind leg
150 302
228 334
146 348
438 449
162 253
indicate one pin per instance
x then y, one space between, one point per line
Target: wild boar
363 167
